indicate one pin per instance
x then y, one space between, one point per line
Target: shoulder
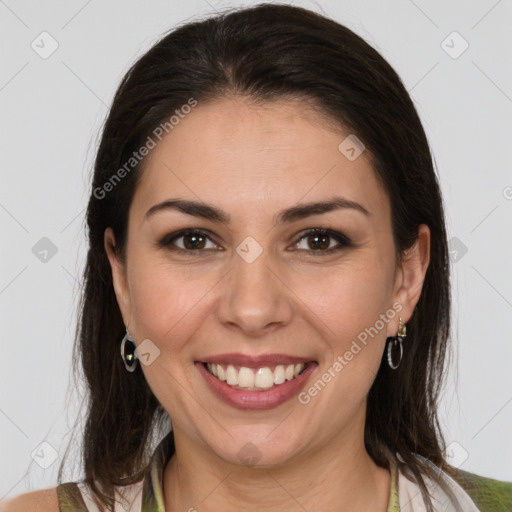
45 500
487 493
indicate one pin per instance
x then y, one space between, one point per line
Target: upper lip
255 361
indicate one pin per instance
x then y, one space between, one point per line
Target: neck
340 476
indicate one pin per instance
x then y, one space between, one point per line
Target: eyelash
343 240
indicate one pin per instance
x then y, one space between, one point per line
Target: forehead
232 152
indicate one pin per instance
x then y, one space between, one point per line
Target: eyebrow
212 213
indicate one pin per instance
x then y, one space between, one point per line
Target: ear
410 277
119 277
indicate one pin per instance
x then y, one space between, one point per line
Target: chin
263 448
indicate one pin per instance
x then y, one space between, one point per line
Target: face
247 272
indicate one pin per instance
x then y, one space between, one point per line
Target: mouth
255 379
257 383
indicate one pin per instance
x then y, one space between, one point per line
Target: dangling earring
394 342
128 352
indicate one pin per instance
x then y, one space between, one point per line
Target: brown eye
321 240
194 241
188 241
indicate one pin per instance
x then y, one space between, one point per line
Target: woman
266 230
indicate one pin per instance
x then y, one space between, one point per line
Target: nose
255 297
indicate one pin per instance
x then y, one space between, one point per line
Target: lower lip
256 400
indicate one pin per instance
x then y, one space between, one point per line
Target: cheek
349 298
167 301
354 305
168 307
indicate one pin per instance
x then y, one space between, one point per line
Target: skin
253 162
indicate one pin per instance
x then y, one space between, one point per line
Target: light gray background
51 113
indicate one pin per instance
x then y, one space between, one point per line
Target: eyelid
342 240
168 239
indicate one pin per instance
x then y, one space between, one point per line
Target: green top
489 495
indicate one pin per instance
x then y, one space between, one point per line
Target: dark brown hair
265 53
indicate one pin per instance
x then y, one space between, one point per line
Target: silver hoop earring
394 343
128 352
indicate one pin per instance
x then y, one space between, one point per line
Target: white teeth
279 376
264 378
231 375
246 378
255 379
